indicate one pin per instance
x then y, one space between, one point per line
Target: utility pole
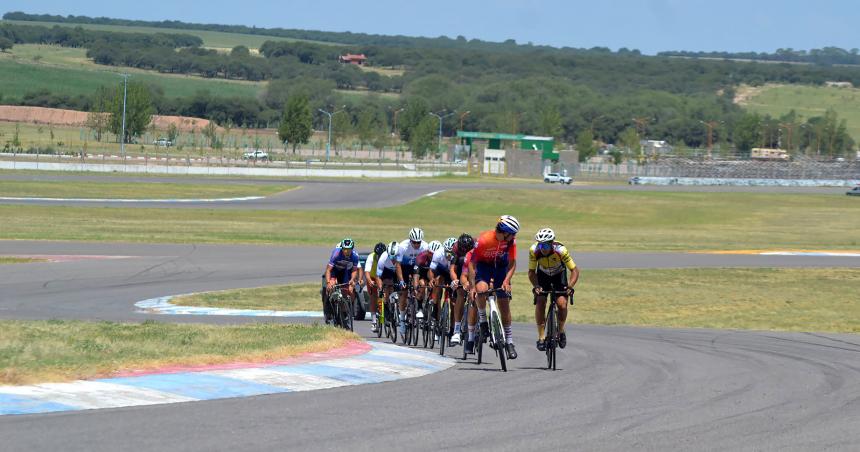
396 112
462 117
790 127
328 145
124 96
710 125
441 117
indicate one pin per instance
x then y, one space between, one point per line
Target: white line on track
246 198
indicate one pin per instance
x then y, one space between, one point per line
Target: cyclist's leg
540 315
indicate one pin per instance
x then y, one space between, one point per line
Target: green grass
18 260
289 297
120 190
585 220
60 350
215 39
20 77
814 299
809 101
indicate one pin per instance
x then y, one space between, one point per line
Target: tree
550 123
629 139
211 133
297 123
747 132
341 127
138 112
585 145
98 119
5 43
172 133
240 51
366 127
422 137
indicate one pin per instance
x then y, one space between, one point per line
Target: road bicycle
445 326
429 325
468 304
342 307
390 319
496 338
551 331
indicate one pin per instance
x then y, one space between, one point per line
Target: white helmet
416 235
508 224
449 244
392 249
545 235
435 246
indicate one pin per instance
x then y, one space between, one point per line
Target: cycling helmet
347 244
465 242
449 244
508 224
435 246
379 248
416 235
545 235
392 249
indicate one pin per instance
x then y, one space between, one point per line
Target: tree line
826 56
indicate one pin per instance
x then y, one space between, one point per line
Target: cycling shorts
485 272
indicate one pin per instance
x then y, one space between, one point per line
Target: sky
648 25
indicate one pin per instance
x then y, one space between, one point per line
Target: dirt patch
744 93
60 117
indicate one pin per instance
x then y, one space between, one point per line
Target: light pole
328 145
396 112
441 117
710 125
124 96
462 117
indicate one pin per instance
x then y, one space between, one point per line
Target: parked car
635 180
854 191
163 142
256 155
552 178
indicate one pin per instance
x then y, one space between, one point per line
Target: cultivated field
31 68
807 101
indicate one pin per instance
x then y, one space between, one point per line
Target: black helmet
379 248
465 242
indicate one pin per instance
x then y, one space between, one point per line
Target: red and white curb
162 305
357 363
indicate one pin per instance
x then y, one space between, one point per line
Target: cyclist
424 260
372 282
549 261
495 257
437 271
457 254
465 273
385 269
342 268
404 265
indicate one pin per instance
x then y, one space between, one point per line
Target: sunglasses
544 246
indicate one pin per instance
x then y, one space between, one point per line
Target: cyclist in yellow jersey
373 283
549 261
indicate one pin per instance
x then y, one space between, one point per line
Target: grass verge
784 299
288 297
585 220
145 190
59 350
18 260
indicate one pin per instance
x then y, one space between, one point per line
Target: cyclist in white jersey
407 251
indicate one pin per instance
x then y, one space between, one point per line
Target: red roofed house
353 59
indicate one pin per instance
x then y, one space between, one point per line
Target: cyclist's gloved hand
454 284
537 290
401 285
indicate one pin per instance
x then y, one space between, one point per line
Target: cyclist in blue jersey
342 268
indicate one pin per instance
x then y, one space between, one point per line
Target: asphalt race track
617 388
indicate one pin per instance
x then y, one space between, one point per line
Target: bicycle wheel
425 325
479 343
443 327
498 332
551 336
349 312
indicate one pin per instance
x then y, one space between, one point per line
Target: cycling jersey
371 263
340 263
552 264
494 252
423 260
385 266
406 253
439 262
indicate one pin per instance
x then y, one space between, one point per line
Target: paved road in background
337 194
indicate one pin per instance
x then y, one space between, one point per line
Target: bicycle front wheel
551 336
443 327
498 332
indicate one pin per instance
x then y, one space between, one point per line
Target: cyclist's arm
574 277
512 267
533 278
398 270
328 272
